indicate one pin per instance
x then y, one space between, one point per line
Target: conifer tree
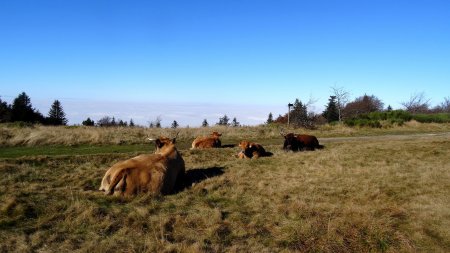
5 112
299 114
235 123
269 119
331 112
56 115
22 110
223 121
204 123
88 122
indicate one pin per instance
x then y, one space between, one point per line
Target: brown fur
159 173
251 150
298 142
212 141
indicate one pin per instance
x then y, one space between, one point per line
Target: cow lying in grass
251 150
212 141
299 142
159 173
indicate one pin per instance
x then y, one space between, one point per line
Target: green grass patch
19 151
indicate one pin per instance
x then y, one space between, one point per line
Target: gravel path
385 137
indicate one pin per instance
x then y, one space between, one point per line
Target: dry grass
79 135
367 195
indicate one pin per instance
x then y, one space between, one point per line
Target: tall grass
38 135
367 195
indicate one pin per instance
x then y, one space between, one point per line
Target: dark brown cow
299 142
251 150
159 173
212 141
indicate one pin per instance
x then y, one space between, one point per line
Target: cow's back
308 141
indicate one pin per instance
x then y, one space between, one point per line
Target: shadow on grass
228 146
268 154
198 175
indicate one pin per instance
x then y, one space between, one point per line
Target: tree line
21 110
339 109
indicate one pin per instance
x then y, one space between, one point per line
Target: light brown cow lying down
251 150
158 173
212 141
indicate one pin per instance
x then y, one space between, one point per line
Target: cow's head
164 144
244 145
291 142
216 134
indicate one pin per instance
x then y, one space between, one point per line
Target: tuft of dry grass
364 195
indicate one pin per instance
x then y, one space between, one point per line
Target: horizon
189 61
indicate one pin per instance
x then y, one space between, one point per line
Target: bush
432 118
363 123
373 119
392 115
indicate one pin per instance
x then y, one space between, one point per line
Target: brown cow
212 141
159 173
251 150
299 142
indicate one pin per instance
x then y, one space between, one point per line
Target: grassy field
372 194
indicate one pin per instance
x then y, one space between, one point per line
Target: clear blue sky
190 60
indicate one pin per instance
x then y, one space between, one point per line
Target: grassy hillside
367 194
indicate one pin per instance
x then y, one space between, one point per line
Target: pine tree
299 114
235 123
204 123
223 121
174 124
269 119
56 115
88 122
131 123
331 112
5 112
22 110
122 123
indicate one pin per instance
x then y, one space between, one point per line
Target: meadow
368 190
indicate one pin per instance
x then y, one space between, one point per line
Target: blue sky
190 60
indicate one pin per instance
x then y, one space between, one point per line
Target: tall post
289 112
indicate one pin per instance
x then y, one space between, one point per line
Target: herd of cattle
163 172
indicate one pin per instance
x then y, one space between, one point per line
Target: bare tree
362 105
444 106
342 97
417 103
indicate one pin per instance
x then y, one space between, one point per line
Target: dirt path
386 137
